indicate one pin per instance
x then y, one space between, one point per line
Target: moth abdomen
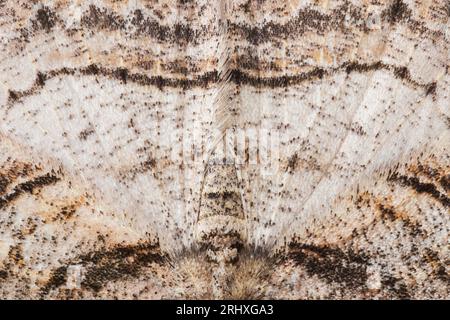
220 224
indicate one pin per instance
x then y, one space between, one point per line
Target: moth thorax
220 222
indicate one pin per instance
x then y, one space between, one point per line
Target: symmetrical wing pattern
226 149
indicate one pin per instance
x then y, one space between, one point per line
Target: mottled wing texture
224 149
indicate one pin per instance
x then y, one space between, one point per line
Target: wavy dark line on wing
420 187
237 76
331 264
338 19
28 187
307 19
10 174
103 266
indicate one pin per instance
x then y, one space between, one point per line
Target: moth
228 149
